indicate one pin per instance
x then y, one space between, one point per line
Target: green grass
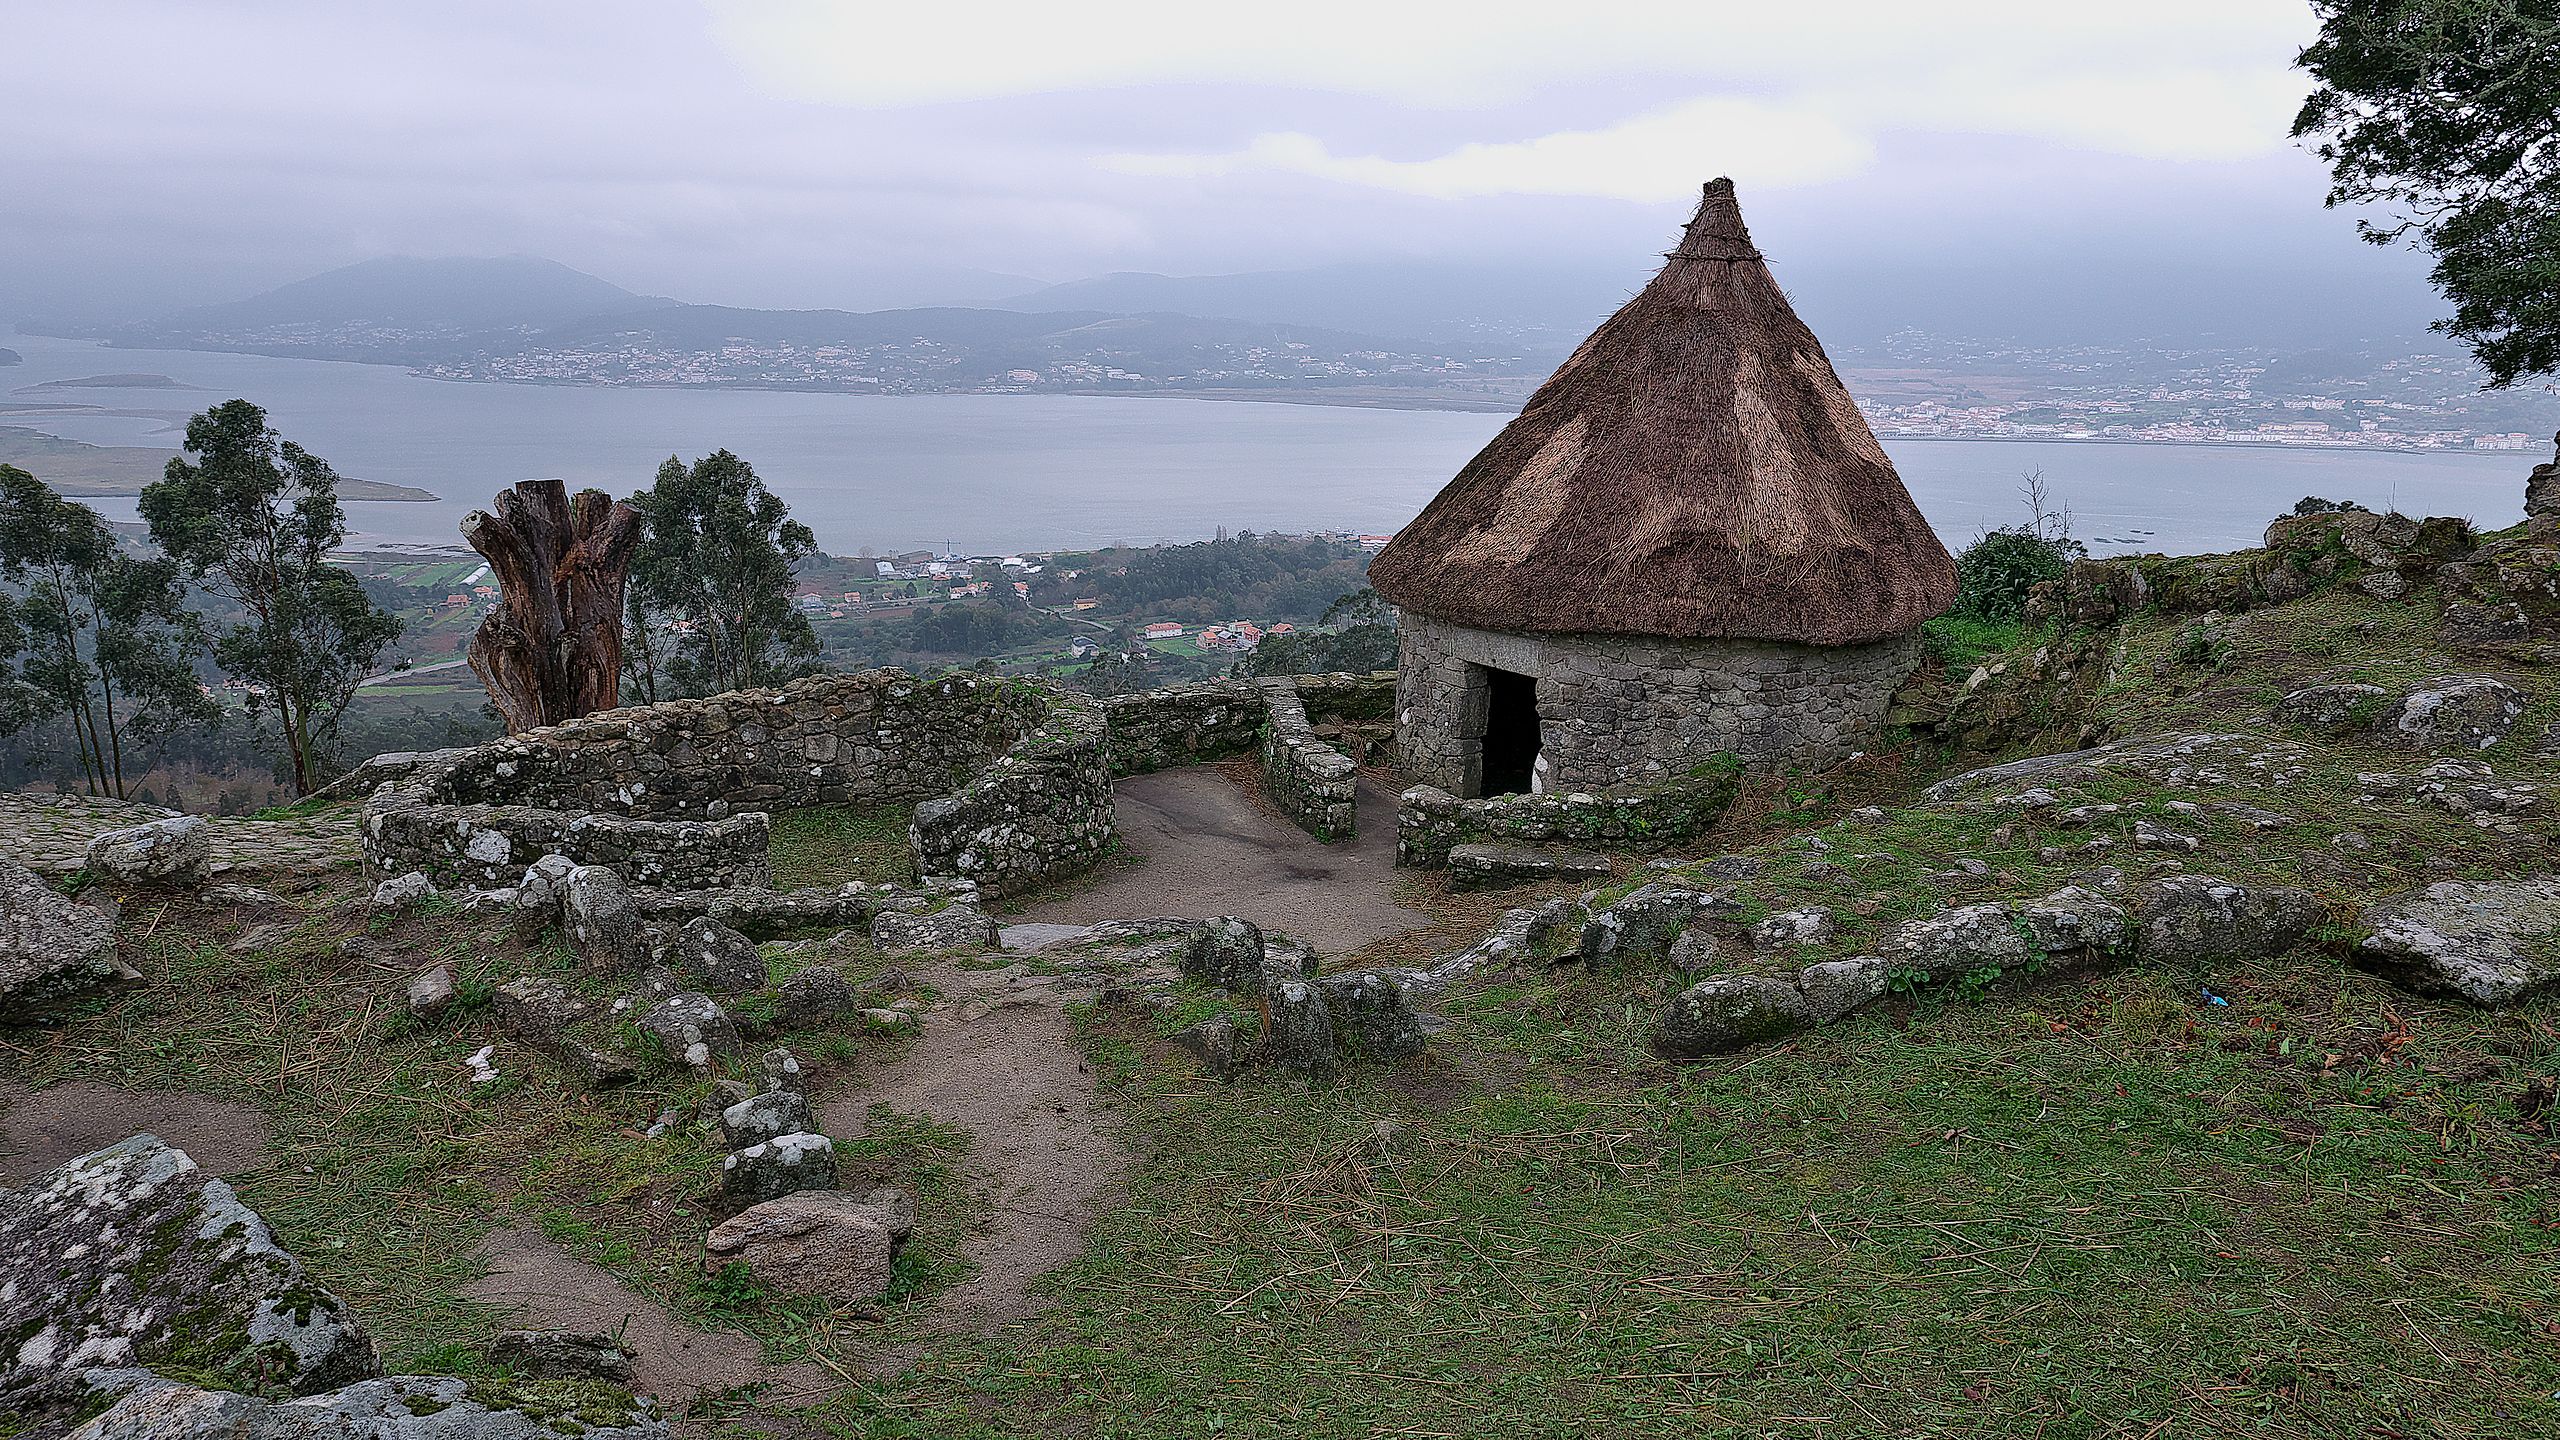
386 1170
2103 1210
2103 1205
1956 643
831 844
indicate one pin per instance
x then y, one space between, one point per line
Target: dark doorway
1510 732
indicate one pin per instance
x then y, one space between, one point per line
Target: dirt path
40 1129
1205 848
540 1286
996 1058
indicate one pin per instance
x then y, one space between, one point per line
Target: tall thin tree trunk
84 731
115 736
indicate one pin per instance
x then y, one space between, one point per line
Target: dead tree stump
552 650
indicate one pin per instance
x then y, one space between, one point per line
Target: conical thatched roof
1696 469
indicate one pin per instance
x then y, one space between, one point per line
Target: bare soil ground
997 1059
40 1129
1205 847
537 1285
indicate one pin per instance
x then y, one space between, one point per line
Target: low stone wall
869 737
487 847
1182 725
1041 811
1312 783
676 795
1431 821
1348 698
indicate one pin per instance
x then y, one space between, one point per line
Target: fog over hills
2052 296
429 295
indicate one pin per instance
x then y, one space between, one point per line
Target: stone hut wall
1430 822
1620 711
1312 783
676 794
1182 725
1041 811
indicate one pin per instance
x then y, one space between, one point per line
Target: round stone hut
1688 542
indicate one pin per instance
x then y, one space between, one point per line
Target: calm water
1009 472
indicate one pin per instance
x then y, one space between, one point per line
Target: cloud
1653 158
1776 94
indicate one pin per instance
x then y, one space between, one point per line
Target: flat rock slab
1037 934
2178 761
1204 847
1492 867
138 1405
133 1256
2490 942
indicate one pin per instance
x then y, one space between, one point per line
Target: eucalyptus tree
2444 116
94 636
710 595
252 517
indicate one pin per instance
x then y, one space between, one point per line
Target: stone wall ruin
1011 783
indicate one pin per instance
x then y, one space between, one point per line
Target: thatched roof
1695 469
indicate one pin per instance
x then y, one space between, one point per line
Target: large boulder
783 1165
1371 1017
1227 953
718 959
768 1116
1297 1030
131 1404
960 925
1835 988
1728 1012
131 1256
549 1016
2491 942
1645 922
603 923
2199 918
2331 707
812 995
2452 712
841 1244
1967 938
50 948
175 851
2542 493
693 1030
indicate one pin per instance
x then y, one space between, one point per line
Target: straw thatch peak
1696 469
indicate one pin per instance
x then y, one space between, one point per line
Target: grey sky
794 154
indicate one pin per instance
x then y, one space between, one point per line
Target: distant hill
400 309
1548 309
505 292
954 348
704 327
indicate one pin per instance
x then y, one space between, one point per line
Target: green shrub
1995 572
